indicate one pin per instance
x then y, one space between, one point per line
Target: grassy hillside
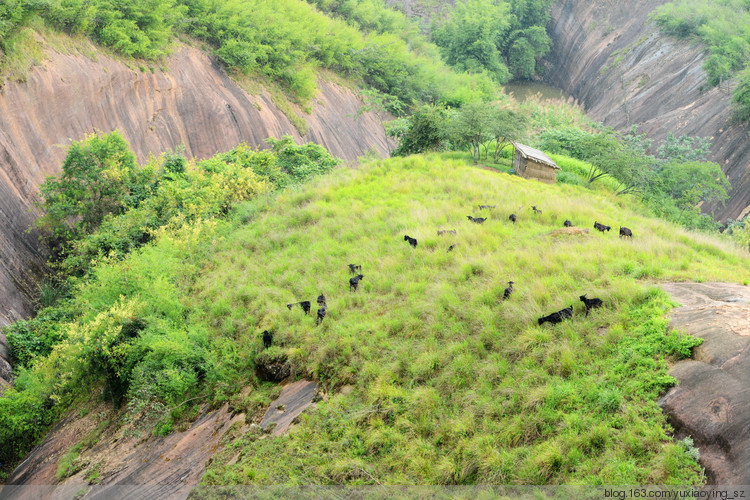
448 383
451 384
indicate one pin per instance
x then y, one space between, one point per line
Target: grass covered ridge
451 385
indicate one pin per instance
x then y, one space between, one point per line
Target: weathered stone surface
191 102
625 72
712 399
294 399
129 466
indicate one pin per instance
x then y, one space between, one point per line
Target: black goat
557 317
321 300
536 210
486 207
354 268
305 306
590 303
624 231
512 218
601 227
508 291
567 223
267 339
448 231
450 248
354 282
321 314
412 241
476 220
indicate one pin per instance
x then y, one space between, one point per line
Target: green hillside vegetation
506 39
722 28
450 384
673 181
285 41
114 313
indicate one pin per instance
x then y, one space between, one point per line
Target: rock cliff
190 100
616 63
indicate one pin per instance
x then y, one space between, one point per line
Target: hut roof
535 154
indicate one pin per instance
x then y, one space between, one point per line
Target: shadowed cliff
610 57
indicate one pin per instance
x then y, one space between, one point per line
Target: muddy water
522 90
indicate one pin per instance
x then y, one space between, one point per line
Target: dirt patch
712 401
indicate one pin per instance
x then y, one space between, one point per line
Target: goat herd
554 318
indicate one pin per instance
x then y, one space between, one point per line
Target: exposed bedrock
616 63
189 101
712 399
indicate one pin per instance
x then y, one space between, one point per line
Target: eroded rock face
127 466
294 399
617 64
712 399
191 102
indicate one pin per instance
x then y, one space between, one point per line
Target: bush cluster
124 324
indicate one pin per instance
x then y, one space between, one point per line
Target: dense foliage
674 181
475 125
722 27
505 38
124 326
286 41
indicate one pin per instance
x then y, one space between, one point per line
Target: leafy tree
468 41
471 126
683 149
425 130
99 177
693 182
741 97
505 126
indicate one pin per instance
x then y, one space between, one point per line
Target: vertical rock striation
616 63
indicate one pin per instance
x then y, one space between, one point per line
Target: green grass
451 385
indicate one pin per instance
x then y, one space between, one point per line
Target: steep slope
189 101
428 375
610 57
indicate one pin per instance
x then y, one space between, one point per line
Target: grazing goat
305 306
267 339
567 223
624 231
590 303
601 227
354 282
412 241
448 231
558 316
321 314
536 210
512 218
321 300
486 207
450 248
476 220
353 268
508 291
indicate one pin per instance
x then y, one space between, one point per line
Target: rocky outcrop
616 63
190 100
710 402
294 399
120 464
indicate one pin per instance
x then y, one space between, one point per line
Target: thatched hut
531 163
